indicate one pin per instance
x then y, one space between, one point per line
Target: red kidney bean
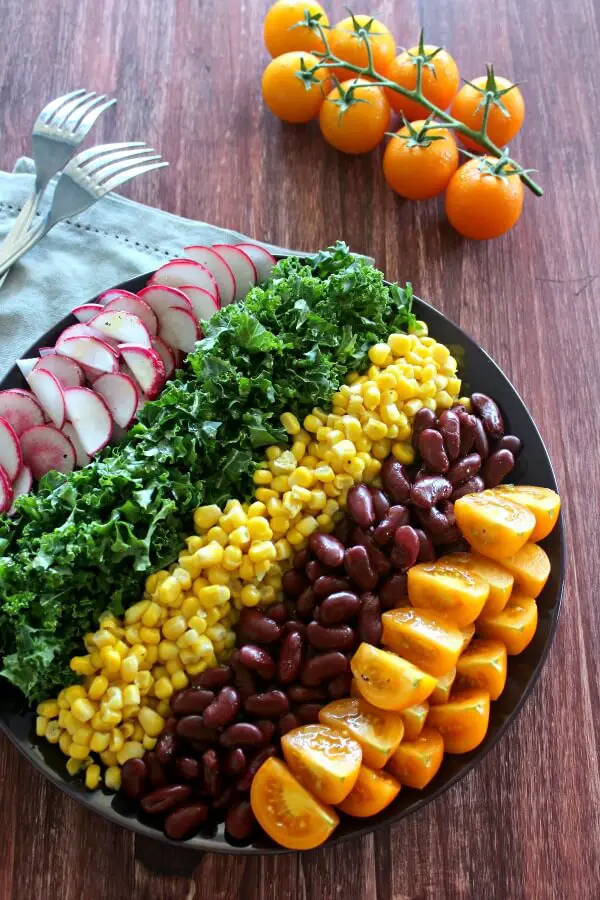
481 444
359 568
449 426
327 548
450 536
360 505
223 709
133 778
433 520
258 627
298 693
338 637
182 822
244 782
234 762
267 729
243 678
305 603
289 663
314 570
421 474
433 452
473 486
392 592
369 620
426 551
240 820
294 625
340 687
270 704
308 713
394 518
288 723
381 504
338 608
187 768
165 798
242 734
342 530
430 490
489 413
377 557
464 468
301 557
467 430
278 613
193 728
323 667
156 773
170 725
191 700
407 546
213 783
293 582
211 760
257 660
330 584
496 467
425 418
447 508
213 679
166 746
223 800
395 480
510 442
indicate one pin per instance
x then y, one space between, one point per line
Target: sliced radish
47 351
90 418
47 389
203 302
6 491
21 485
82 329
262 259
242 267
219 269
81 457
166 354
68 372
10 450
45 448
86 311
137 307
26 365
185 271
113 294
90 351
120 395
20 409
147 367
160 297
179 328
121 326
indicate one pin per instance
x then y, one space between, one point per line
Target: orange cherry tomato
494 525
499 579
357 123
287 811
439 82
501 128
483 665
419 168
387 681
515 626
285 93
280 31
542 502
346 43
441 692
447 590
467 635
480 204
425 638
530 567
416 762
414 720
463 721
378 732
323 760
372 792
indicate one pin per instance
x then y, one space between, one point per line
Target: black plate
478 372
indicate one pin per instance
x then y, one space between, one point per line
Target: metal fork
87 178
58 130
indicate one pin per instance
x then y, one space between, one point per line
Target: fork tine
72 121
128 174
87 121
54 105
113 159
86 155
67 111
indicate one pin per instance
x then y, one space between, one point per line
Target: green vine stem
329 60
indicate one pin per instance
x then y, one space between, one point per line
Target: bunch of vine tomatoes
484 195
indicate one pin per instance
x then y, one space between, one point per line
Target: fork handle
21 247
20 227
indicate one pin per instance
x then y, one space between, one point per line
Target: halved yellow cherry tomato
323 760
415 763
426 639
495 526
500 581
467 635
414 720
515 626
531 568
483 665
463 721
456 594
388 681
441 692
287 811
372 792
378 732
542 502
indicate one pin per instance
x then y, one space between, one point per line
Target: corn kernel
261 550
371 396
131 695
240 537
283 549
379 354
206 516
250 595
130 750
169 591
92 777
280 524
82 665
404 453
466 402
83 735
53 732
163 688
64 742
109 758
246 570
74 692
179 681
134 613
150 721
118 736
48 708
259 529
82 709
78 751
109 717
213 595
129 668
41 725
112 778
453 386
412 407
443 400
262 477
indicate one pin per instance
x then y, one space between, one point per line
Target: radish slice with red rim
160 297
121 326
47 351
185 271
147 367
120 394
136 306
179 329
10 449
20 409
219 269
6 492
82 329
262 259
81 457
47 389
21 486
90 417
86 311
112 294
45 448
242 267
90 351
25 366
203 302
67 371
166 354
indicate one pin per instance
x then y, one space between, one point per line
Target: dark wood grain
524 824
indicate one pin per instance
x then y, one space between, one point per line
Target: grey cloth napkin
113 240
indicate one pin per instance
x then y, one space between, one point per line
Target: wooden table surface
525 823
